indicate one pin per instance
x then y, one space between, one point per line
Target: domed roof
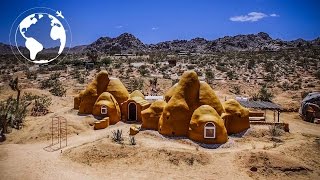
203 116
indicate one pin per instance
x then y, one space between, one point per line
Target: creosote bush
263 95
275 130
54 85
40 104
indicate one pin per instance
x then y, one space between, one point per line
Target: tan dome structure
102 83
170 93
106 105
118 90
102 97
136 93
236 117
151 115
183 98
206 126
207 96
88 97
176 115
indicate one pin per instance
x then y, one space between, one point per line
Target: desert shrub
12 113
275 130
117 66
190 66
54 85
251 63
231 75
235 90
285 86
48 83
222 68
58 90
78 76
77 62
117 136
143 70
263 94
106 61
311 85
40 106
318 74
269 66
270 77
136 83
209 74
31 75
132 140
40 103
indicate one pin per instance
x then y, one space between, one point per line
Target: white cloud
274 15
252 17
154 28
119 27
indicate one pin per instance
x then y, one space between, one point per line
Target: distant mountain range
128 43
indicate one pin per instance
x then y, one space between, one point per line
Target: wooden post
265 114
278 116
274 116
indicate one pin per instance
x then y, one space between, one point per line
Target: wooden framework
263 105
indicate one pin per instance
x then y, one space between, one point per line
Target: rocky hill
252 42
125 43
128 43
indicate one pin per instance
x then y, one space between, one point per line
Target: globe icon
40 37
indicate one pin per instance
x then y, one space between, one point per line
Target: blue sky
153 21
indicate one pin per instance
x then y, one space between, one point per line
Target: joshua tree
92 55
14 85
12 111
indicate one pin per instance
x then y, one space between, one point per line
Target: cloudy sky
153 21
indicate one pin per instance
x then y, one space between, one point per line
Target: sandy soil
254 154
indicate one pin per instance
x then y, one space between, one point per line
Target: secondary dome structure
107 106
206 126
236 117
102 97
183 98
151 115
194 110
87 98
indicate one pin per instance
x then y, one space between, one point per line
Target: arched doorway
132 111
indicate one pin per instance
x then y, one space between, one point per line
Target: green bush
54 85
263 95
143 70
106 61
12 113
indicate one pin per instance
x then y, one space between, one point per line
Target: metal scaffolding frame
59 132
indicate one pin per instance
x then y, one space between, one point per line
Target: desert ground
258 153
91 154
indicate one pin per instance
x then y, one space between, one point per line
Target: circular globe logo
40 35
